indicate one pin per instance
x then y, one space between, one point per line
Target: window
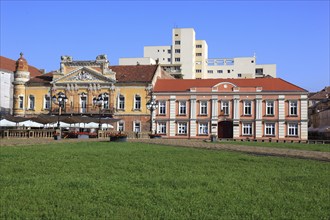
228 71
203 128
198 62
177 42
31 102
177 59
270 129
247 129
198 70
269 107
47 102
120 126
168 59
198 54
21 102
225 107
162 128
259 71
182 128
121 102
293 108
169 51
247 108
198 46
293 129
177 50
162 107
106 101
137 126
182 108
137 102
203 108
210 71
238 75
219 71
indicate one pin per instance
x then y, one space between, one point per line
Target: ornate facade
124 90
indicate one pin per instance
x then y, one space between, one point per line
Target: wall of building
135 61
6 94
258 119
162 53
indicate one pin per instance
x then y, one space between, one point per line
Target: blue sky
294 35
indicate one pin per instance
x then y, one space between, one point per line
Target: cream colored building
188 57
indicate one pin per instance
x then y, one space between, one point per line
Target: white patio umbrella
6 123
30 123
105 125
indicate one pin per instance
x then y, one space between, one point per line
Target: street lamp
61 100
99 102
152 105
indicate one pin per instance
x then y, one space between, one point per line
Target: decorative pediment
84 75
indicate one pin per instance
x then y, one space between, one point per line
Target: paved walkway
268 151
315 155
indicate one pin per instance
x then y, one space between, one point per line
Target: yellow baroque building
92 88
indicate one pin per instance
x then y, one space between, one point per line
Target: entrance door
225 129
83 104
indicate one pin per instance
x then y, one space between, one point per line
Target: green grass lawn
297 146
104 180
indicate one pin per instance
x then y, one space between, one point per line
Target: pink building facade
256 109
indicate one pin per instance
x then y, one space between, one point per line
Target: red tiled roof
267 84
137 73
10 65
323 94
44 78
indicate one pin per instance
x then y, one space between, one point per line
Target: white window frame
177 59
161 128
202 107
162 107
32 102
198 70
177 42
270 108
47 102
247 108
21 102
137 104
293 129
182 107
270 129
177 51
210 71
247 129
225 107
203 128
106 101
219 71
121 103
293 107
182 128
120 126
135 127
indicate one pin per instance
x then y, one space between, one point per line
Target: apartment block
188 58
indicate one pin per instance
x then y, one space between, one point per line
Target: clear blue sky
294 35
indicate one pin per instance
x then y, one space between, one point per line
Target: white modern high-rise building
188 57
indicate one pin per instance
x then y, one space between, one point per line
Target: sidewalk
266 151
